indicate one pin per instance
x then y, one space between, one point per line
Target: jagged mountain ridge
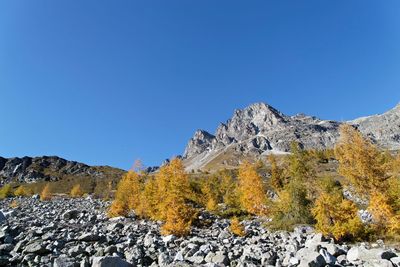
261 129
49 168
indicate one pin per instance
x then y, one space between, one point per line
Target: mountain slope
28 170
260 129
384 129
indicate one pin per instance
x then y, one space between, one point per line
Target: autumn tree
178 218
211 190
251 190
385 219
127 196
336 216
149 200
360 162
46 194
173 191
292 207
299 164
396 166
277 179
76 191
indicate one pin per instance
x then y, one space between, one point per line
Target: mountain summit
260 129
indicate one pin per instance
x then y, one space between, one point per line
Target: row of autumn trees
289 192
45 194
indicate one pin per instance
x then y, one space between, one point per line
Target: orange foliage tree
251 190
46 193
127 196
174 192
385 219
360 162
336 216
277 176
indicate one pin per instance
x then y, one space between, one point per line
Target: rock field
76 232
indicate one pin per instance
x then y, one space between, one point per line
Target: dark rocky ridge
47 168
261 129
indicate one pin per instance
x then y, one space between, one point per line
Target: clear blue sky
106 82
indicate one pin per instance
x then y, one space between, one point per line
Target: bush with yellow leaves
6 191
21 191
117 208
76 191
252 195
46 194
236 227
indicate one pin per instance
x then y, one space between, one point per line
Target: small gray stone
378 263
75 251
163 259
36 248
220 258
64 261
2 217
387 255
70 214
329 259
179 256
110 261
110 249
89 237
6 248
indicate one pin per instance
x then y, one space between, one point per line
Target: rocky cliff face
261 129
384 129
28 169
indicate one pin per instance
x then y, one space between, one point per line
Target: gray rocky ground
76 232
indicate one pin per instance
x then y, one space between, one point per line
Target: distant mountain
28 169
260 129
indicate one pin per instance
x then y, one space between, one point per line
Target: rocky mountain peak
258 114
260 128
199 143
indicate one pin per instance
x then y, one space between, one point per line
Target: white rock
294 261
